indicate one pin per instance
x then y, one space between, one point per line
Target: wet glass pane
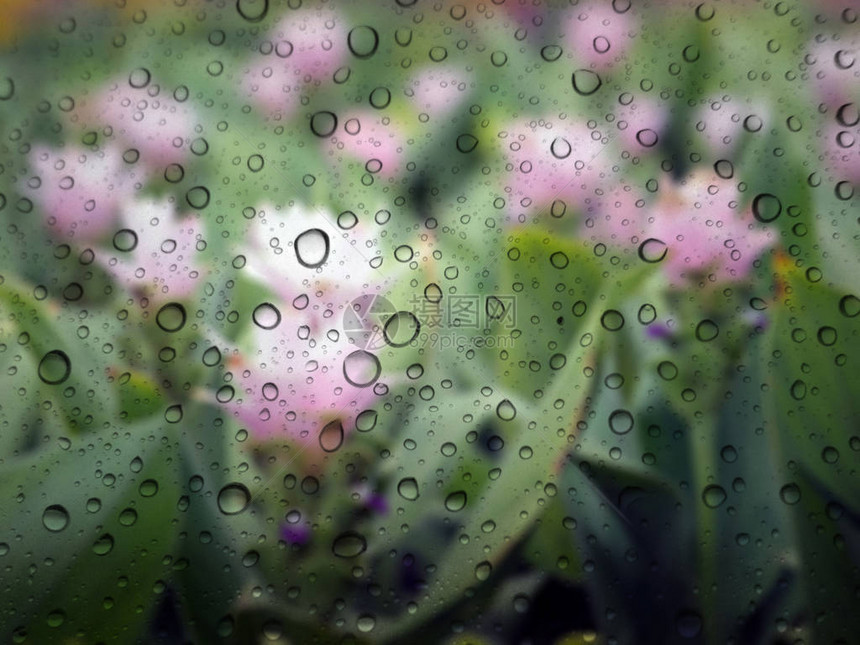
502 321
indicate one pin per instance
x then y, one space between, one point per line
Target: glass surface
476 322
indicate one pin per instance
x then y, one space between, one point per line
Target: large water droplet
55 367
312 248
456 501
506 410
55 518
266 316
331 436
349 545
586 82
713 496
361 368
620 421
233 499
408 488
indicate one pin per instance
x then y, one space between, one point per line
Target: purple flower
295 533
376 503
658 331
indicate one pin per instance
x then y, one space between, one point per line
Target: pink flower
313 266
156 251
834 69
437 90
616 216
642 123
705 232
79 191
145 117
842 151
306 46
309 388
548 162
373 140
721 124
598 35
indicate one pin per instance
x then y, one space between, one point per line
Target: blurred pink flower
306 46
156 251
334 268
79 191
615 216
553 161
146 118
309 388
842 151
373 140
597 34
642 123
834 69
704 231
721 123
437 90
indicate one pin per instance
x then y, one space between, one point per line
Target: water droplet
612 320
401 329
266 316
233 498
766 207
483 570
252 10
366 421
506 410
559 260
349 544
331 436
408 488
433 293
212 356
707 330
312 248
198 197
361 368
713 496
173 414
798 390
55 367
256 163
171 317
365 623
688 624
652 250
466 143
621 421
148 488
724 169
323 123
586 82
647 138
849 306
790 494
128 517
125 240
830 455
363 41
55 518
560 148
456 501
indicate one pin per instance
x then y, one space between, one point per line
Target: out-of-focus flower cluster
296 375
